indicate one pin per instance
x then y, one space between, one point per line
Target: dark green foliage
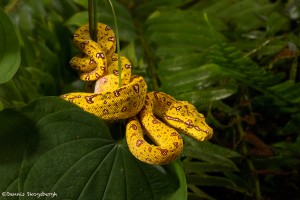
237 61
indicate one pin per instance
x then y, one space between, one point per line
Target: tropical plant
236 61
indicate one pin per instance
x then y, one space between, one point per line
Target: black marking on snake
89 99
139 143
176 144
155 95
124 109
133 126
105 112
83 44
176 134
128 66
102 55
92 61
172 118
87 78
189 123
163 152
98 55
178 108
115 72
202 130
117 92
136 88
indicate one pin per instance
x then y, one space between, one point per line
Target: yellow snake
154 114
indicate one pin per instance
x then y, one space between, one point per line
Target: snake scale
153 119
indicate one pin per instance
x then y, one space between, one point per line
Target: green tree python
156 115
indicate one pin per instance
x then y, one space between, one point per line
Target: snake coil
155 114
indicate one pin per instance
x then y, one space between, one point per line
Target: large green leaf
53 146
206 180
195 84
178 33
9 49
245 15
210 153
147 7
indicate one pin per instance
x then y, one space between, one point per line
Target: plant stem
118 42
249 162
93 19
149 57
11 6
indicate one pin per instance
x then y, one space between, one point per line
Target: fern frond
287 96
242 68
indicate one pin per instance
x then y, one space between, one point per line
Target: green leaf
178 33
193 84
188 79
205 96
78 19
293 124
181 192
10 95
149 6
9 49
210 153
1 105
59 148
242 68
287 146
288 91
179 63
245 15
276 162
198 193
277 22
206 180
202 167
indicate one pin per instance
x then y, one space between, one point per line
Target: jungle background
235 60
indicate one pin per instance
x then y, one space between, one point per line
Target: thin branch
152 69
118 43
93 19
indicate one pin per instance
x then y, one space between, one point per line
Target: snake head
185 117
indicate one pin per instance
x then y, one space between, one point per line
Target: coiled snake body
155 114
